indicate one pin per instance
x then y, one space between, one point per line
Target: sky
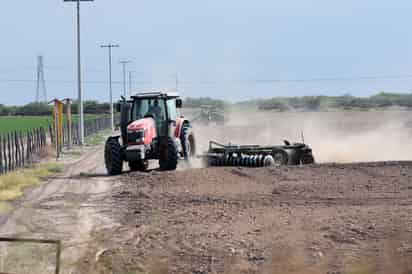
228 49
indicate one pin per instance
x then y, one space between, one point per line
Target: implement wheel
280 157
113 156
187 140
307 159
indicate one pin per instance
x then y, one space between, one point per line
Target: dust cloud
341 137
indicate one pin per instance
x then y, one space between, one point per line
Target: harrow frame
258 156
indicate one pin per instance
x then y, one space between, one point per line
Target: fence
71 135
18 150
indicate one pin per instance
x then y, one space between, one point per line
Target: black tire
280 157
168 155
113 156
139 165
268 161
187 139
307 159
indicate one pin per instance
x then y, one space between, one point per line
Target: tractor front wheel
113 156
168 154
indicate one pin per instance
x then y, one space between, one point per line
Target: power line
119 82
214 82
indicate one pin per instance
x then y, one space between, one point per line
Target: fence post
38 139
16 150
6 164
1 155
42 139
33 141
16 163
10 165
36 131
64 137
32 147
17 143
28 147
23 162
51 134
13 162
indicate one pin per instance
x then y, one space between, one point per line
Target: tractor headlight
135 136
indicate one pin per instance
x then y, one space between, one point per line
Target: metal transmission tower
124 63
79 71
41 82
110 46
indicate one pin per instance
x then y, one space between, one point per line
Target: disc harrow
258 156
254 160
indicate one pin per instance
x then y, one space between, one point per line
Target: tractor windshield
149 108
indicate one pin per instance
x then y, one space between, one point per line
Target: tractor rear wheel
139 165
168 154
187 140
113 156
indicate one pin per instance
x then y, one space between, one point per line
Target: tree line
42 109
346 102
308 103
311 103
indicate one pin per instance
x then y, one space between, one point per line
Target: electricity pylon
41 82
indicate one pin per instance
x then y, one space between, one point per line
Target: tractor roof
155 94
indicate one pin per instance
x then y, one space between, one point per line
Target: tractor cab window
148 108
156 110
172 110
140 108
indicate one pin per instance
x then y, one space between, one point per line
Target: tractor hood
144 124
147 125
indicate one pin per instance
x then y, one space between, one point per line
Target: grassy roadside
98 138
13 184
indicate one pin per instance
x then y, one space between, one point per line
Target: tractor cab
161 107
141 108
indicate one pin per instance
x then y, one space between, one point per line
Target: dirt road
72 207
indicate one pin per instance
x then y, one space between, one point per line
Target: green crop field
23 123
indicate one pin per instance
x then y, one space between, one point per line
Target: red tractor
151 128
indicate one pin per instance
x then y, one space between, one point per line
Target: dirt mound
239 220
